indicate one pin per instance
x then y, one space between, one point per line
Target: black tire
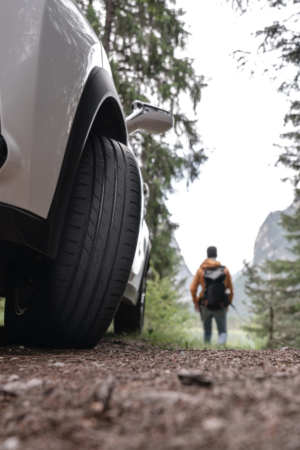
76 298
130 319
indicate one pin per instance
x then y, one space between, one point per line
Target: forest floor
126 395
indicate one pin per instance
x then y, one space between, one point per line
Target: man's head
212 252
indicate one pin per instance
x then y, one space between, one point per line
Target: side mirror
148 119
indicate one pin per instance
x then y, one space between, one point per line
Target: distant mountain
270 244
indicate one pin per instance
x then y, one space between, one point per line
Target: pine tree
274 290
287 280
143 40
266 306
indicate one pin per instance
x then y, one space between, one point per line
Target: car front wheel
76 296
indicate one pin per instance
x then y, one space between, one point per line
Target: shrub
167 320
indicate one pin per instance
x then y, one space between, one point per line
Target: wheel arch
99 110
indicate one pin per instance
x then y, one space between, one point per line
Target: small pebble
58 364
214 424
189 377
13 378
11 443
33 383
16 387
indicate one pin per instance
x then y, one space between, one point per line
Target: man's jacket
199 280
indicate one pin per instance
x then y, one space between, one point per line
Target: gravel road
127 395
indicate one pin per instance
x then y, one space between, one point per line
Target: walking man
215 296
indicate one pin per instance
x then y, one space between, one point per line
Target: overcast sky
239 119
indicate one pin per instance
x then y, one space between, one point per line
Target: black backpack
214 296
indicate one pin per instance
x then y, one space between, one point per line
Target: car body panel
46 57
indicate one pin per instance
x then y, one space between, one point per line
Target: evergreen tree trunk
108 23
271 334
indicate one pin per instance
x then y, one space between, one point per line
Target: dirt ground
127 395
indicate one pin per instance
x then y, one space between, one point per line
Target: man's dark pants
220 318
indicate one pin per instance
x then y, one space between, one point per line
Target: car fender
52 87
100 90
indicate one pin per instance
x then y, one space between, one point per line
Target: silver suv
73 239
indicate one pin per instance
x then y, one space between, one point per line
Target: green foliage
166 321
144 41
288 278
93 18
274 290
266 303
